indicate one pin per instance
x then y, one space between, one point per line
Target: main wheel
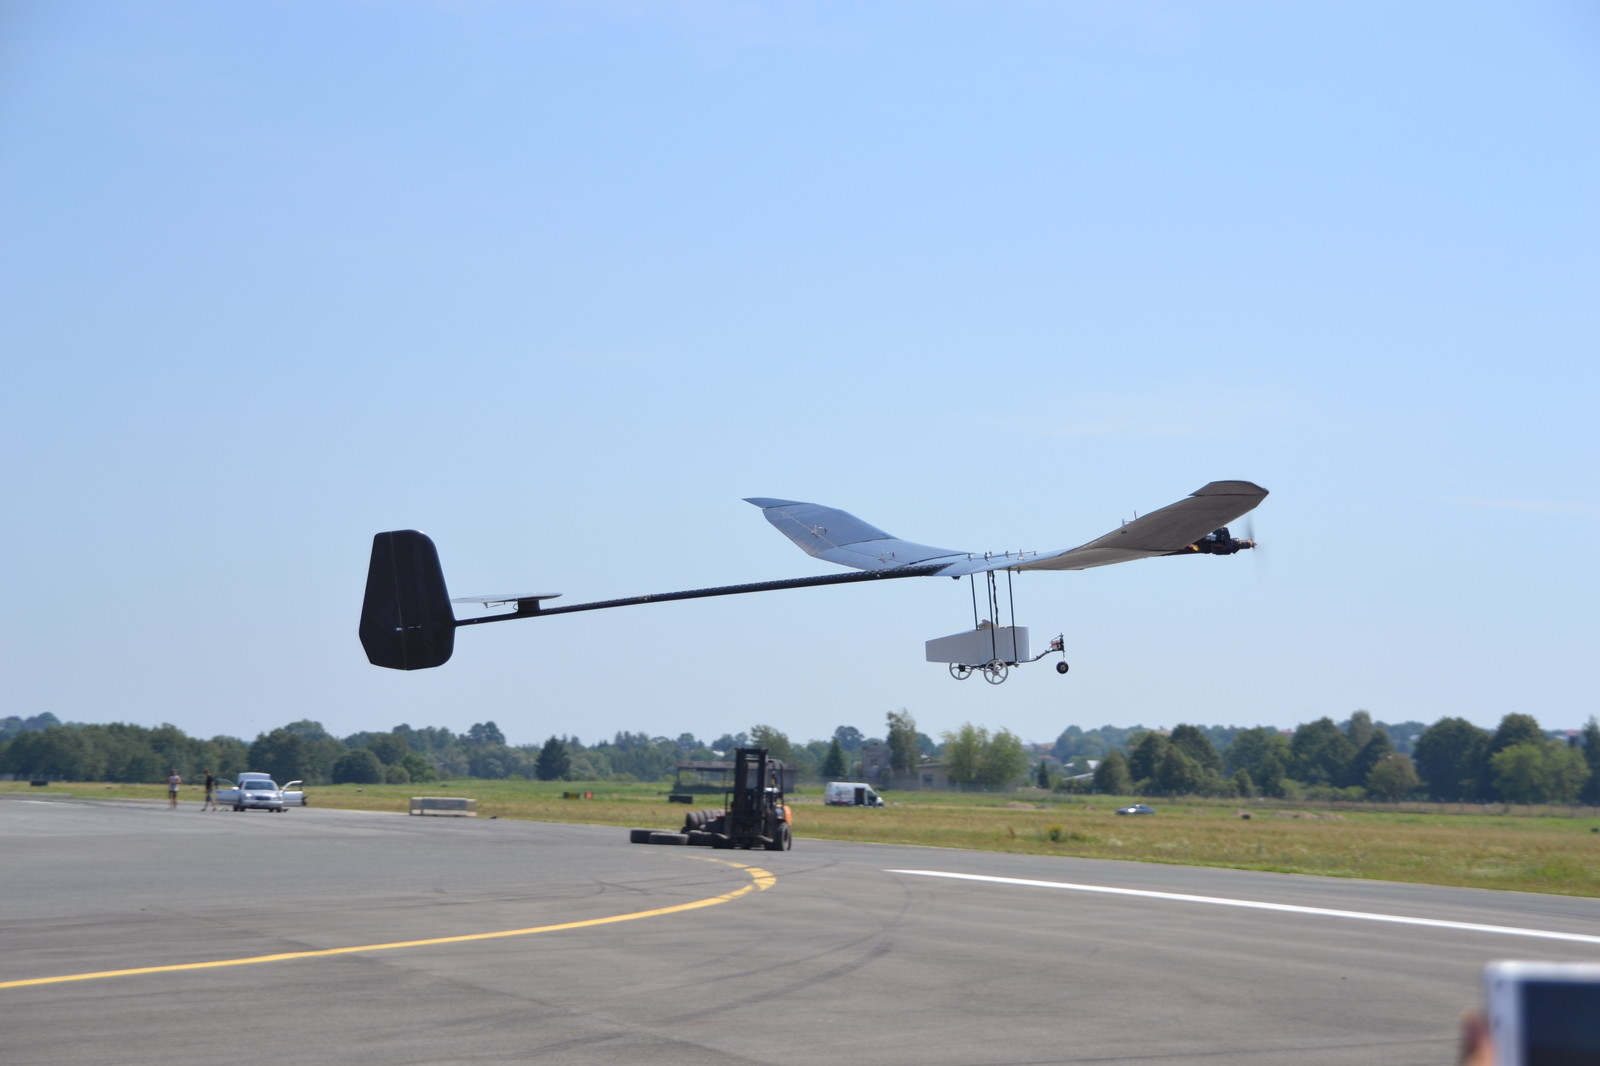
1061 667
994 671
960 671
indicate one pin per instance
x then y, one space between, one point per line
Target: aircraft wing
838 537
1172 528
831 534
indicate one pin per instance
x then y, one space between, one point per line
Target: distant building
934 775
875 765
703 776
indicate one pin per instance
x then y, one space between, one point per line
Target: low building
934 775
703 777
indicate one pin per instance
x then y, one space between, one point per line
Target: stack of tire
699 828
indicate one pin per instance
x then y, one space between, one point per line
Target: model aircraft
407 622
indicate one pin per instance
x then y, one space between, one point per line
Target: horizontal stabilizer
517 600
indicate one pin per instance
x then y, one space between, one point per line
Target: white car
254 792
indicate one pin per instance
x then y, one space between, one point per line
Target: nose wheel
1060 645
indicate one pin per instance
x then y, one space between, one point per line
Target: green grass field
1554 850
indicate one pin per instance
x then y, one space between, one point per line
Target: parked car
253 792
1137 808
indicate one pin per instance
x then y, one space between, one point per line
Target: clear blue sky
559 283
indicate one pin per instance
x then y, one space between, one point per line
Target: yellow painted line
760 881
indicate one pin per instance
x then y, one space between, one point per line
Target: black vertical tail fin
406 620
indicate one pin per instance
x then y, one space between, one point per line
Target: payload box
978 646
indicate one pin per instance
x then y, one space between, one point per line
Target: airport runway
334 937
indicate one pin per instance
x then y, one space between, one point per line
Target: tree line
1451 760
306 751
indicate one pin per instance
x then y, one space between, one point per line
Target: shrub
358 767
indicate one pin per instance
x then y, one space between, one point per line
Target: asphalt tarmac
137 935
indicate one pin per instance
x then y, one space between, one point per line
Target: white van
850 794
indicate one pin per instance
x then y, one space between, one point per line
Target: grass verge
1544 850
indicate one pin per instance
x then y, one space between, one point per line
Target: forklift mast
751 807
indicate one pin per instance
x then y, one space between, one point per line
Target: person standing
173 781
211 793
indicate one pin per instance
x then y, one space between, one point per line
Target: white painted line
1220 901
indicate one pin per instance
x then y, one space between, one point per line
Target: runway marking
760 881
1289 908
